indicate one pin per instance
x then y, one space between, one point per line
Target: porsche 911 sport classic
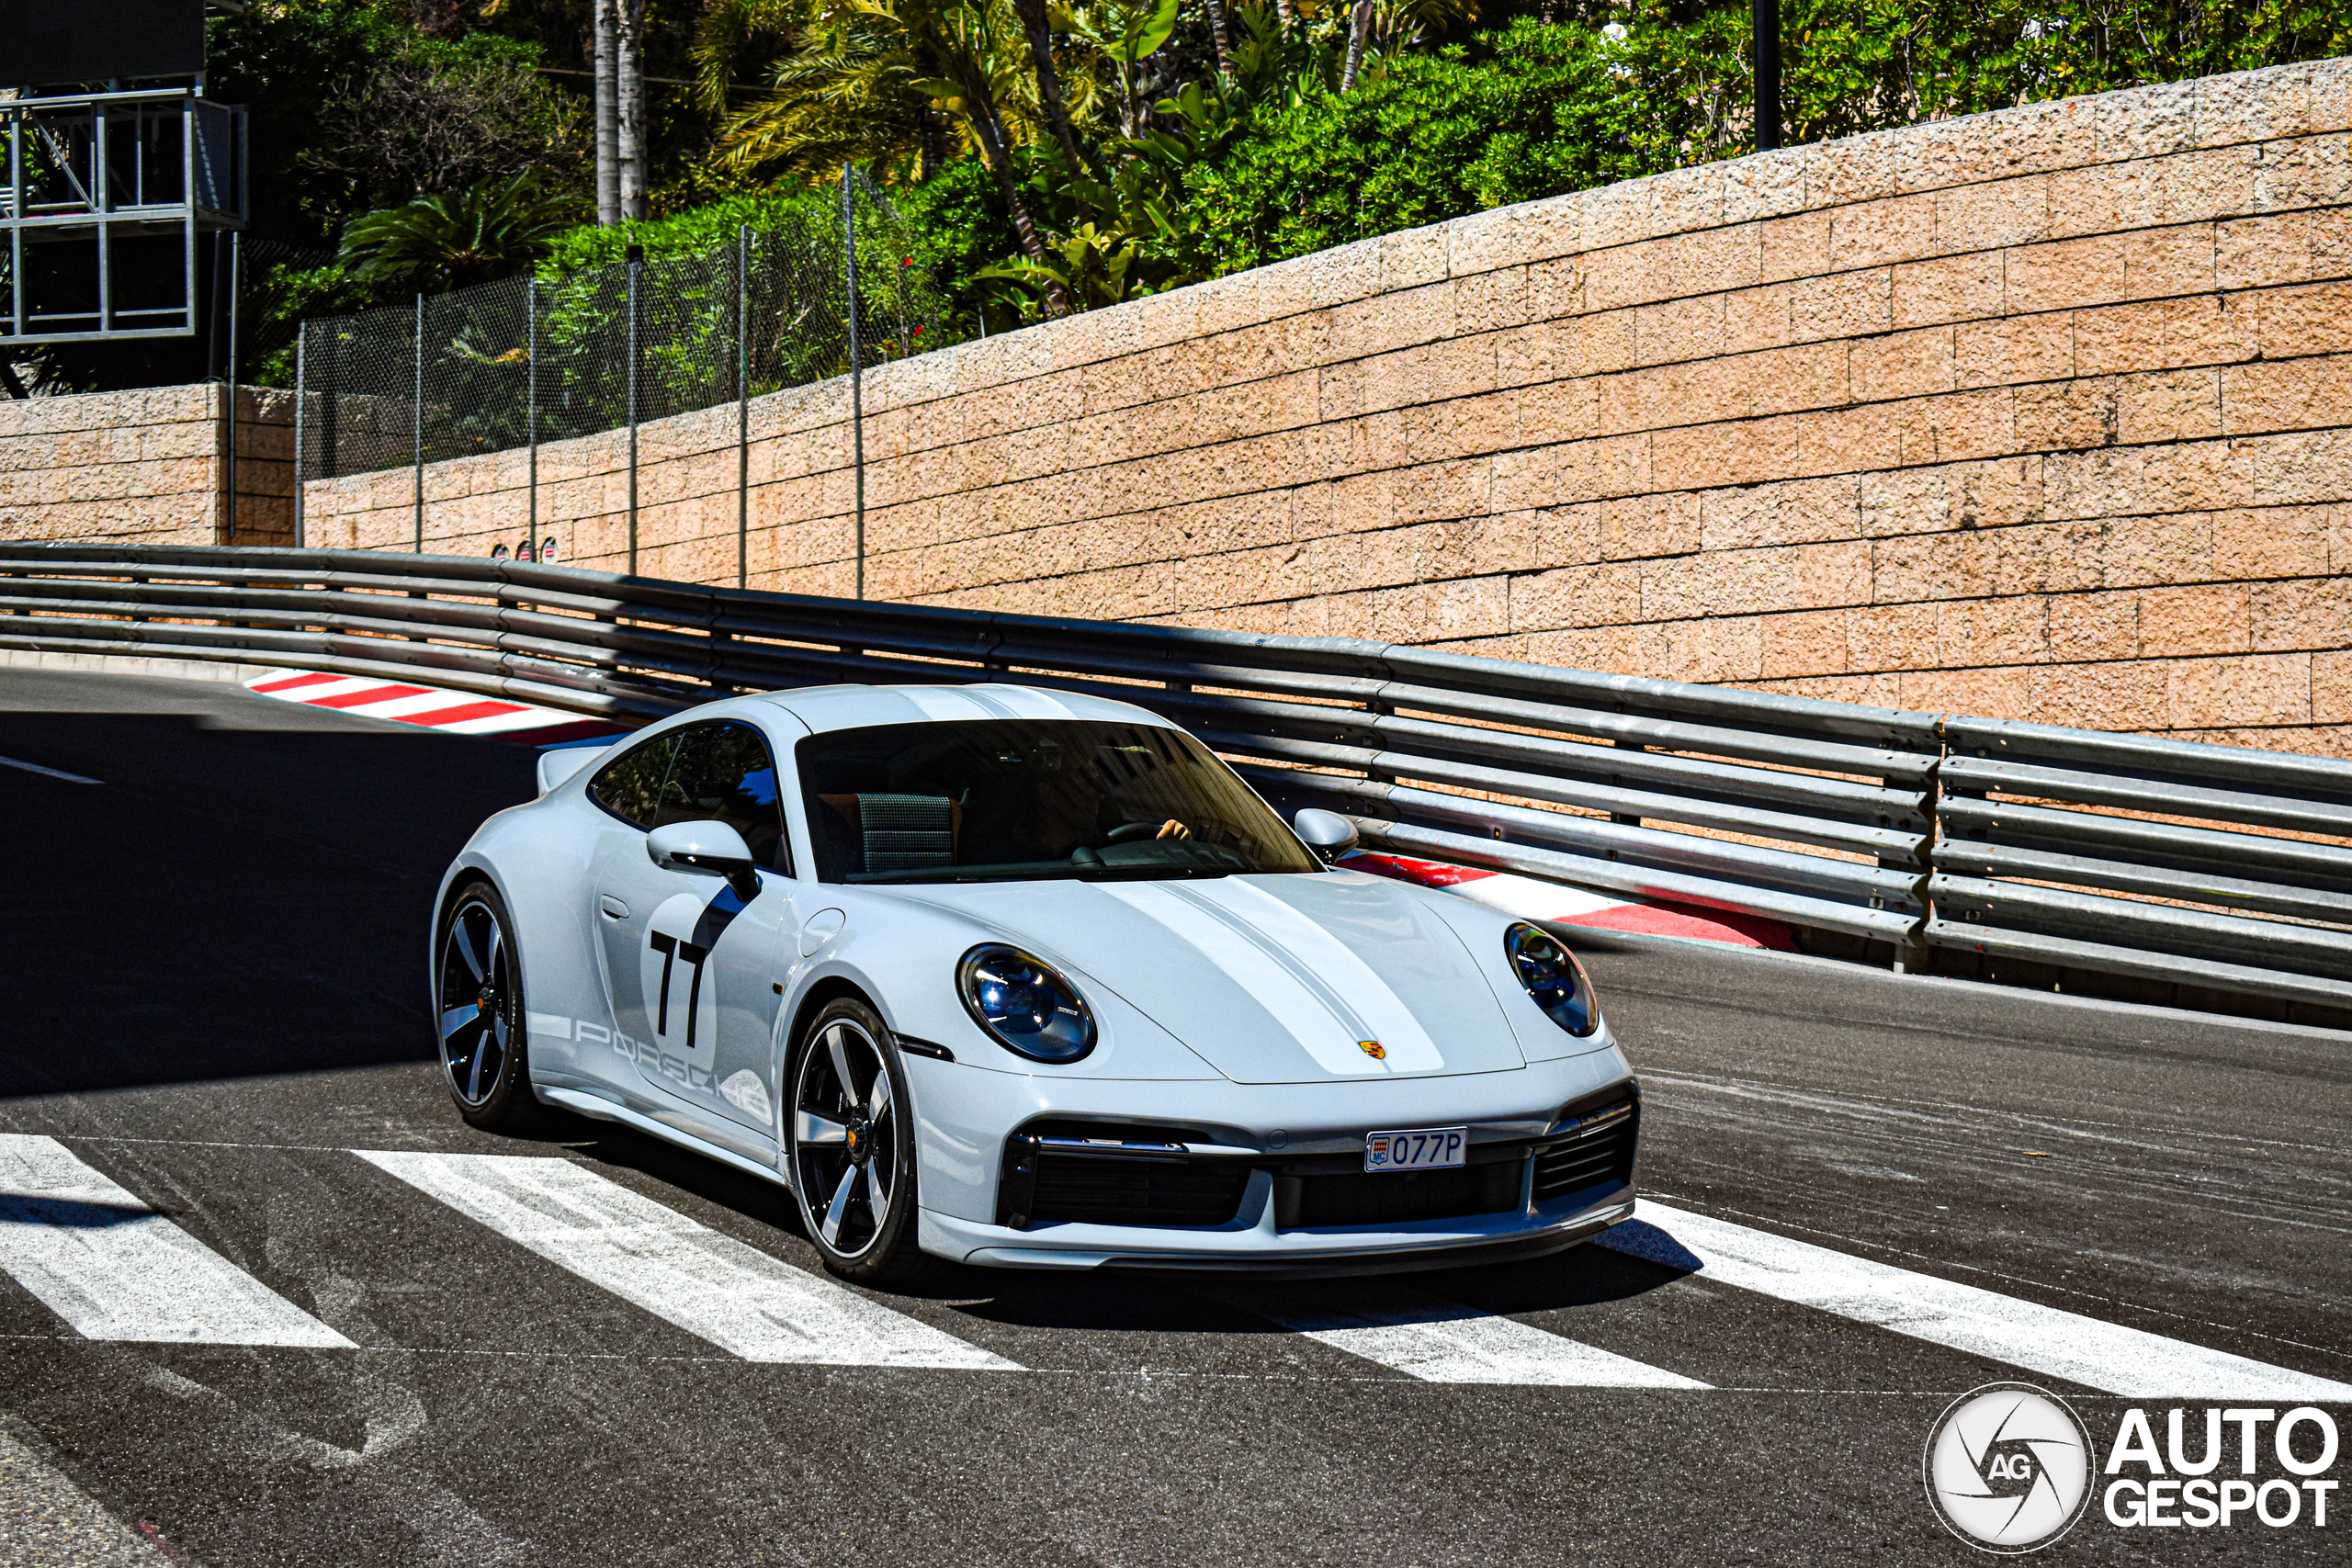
1028 979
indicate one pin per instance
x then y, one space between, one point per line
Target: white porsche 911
1028 979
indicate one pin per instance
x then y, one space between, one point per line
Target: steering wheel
1126 830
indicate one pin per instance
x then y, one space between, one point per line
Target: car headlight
1554 978
1030 1008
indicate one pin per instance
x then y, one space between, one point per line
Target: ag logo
2007 1468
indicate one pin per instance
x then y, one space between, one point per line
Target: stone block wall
2045 414
146 467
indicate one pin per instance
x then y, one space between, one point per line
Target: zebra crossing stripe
2104 1355
708 1284
113 1269
1443 1341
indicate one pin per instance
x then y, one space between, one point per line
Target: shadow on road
143 947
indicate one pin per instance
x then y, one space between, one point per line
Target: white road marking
113 1269
2105 1356
46 773
1442 1341
735 1296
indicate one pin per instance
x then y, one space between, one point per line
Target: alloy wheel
845 1138
479 1001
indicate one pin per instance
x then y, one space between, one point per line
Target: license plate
1423 1148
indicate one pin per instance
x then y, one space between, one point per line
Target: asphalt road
215 991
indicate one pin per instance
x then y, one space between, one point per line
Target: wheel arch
822 994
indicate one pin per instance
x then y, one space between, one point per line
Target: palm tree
1033 22
850 91
491 229
965 41
1359 25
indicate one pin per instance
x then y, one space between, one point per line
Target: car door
688 964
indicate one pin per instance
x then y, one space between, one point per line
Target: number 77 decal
671 949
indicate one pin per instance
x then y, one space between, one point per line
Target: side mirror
712 847
1327 834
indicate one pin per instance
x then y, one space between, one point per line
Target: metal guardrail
2068 847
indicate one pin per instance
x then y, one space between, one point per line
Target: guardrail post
636 271
1915 955
1627 818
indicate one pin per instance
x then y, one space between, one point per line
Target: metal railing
2209 866
821 288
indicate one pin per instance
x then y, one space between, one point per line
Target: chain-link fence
528 360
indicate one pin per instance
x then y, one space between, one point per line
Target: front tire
852 1139
480 1022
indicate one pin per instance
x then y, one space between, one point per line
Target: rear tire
481 1026
851 1136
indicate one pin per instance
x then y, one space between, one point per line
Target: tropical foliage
1134 145
493 227
1059 155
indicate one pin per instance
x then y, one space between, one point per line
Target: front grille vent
1597 1148
1115 1174
1400 1197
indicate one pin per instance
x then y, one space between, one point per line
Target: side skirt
597 1106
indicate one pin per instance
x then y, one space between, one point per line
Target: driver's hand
1172 829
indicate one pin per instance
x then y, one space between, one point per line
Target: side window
630 785
723 772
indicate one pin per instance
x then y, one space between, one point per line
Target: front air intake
1592 1149
1115 1174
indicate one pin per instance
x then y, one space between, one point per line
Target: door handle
612 906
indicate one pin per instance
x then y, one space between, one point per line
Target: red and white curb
1558 904
458 713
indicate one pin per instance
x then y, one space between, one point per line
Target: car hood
1271 980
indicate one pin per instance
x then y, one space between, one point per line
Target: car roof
857 707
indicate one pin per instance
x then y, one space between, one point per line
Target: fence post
857 388
636 269
419 424
329 411
743 407
531 399
1767 26
301 400
236 277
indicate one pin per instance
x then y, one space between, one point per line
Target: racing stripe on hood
985 702
1316 987
933 703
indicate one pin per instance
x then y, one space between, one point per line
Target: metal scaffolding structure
106 195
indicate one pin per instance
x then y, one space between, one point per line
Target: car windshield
1016 799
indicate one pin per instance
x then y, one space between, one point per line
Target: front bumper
1253 1242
